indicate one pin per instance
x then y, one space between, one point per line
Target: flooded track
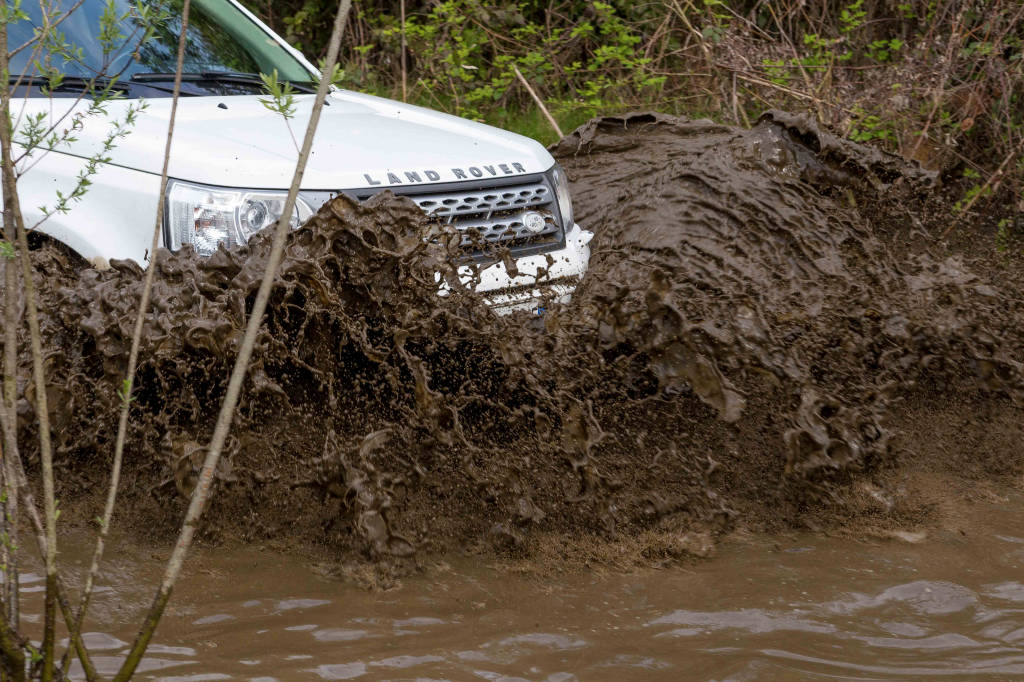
768 342
766 608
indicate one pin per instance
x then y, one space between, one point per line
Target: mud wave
735 353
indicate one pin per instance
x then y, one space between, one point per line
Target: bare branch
204 485
8 399
45 446
28 43
12 209
540 103
133 356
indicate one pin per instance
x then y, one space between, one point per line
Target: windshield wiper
69 83
217 77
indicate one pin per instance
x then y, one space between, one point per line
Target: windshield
221 39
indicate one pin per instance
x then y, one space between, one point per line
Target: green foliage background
941 81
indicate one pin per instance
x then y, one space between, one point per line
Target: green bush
938 80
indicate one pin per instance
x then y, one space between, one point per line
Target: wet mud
755 345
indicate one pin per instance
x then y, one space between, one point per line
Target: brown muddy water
783 607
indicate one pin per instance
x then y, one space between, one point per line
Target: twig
15 471
781 88
133 355
10 600
799 63
204 485
405 94
71 110
45 445
8 397
8 414
543 109
696 34
39 36
39 379
60 591
993 181
946 68
737 110
13 657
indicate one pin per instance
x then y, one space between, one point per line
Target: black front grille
488 215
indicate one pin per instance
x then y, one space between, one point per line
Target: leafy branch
280 100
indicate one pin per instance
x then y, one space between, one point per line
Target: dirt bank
759 342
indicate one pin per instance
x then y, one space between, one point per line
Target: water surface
788 607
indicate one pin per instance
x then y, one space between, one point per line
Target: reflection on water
782 608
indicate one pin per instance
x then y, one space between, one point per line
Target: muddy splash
742 351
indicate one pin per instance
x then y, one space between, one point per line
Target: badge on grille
534 222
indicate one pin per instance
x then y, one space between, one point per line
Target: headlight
207 216
561 182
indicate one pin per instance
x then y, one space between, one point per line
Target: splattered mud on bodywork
736 350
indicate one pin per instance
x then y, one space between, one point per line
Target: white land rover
232 158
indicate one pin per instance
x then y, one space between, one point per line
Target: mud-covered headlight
206 216
561 182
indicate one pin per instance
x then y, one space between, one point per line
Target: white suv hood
361 141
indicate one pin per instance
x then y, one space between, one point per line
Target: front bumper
542 278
